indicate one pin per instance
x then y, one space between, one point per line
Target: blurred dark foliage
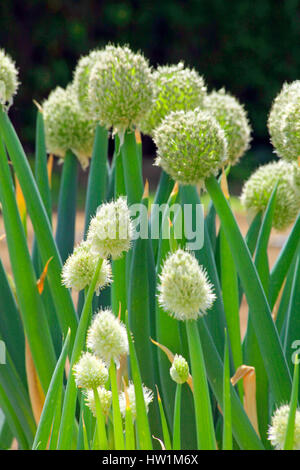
248 46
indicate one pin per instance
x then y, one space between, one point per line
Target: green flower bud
120 88
66 127
8 79
232 117
184 290
277 430
177 88
90 372
81 79
180 370
110 230
107 337
148 398
191 146
258 189
105 398
283 122
79 269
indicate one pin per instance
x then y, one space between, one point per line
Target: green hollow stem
204 420
65 230
117 418
68 413
265 330
101 430
176 422
129 430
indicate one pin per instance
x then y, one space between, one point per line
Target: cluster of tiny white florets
105 398
81 79
120 89
8 79
177 88
66 127
258 189
277 430
191 146
107 337
283 122
90 372
148 397
111 230
184 289
79 269
232 117
179 370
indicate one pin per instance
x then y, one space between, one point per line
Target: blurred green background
248 46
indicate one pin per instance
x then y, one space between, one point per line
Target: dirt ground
276 242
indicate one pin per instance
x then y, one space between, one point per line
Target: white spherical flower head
105 398
90 372
79 268
148 398
120 88
277 430
177 88
180 369
66 127
184 290
191 146
283 121
232 117
107 337
110 231
258 189
81 79
8 79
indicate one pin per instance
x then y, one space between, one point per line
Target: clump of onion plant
278 428
184 289
105 398
107 337
179 370
191 146
81 79
177 88
232 117
258 189
79 269
8 79
120 88
66 127
148 398
90 372
283 122
110 230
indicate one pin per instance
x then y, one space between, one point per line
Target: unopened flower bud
179 370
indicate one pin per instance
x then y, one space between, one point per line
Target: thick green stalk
204 421
132 168
117 418
47 247
44 428
176 421
227 419
266 333
65 230
101 431
97 183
